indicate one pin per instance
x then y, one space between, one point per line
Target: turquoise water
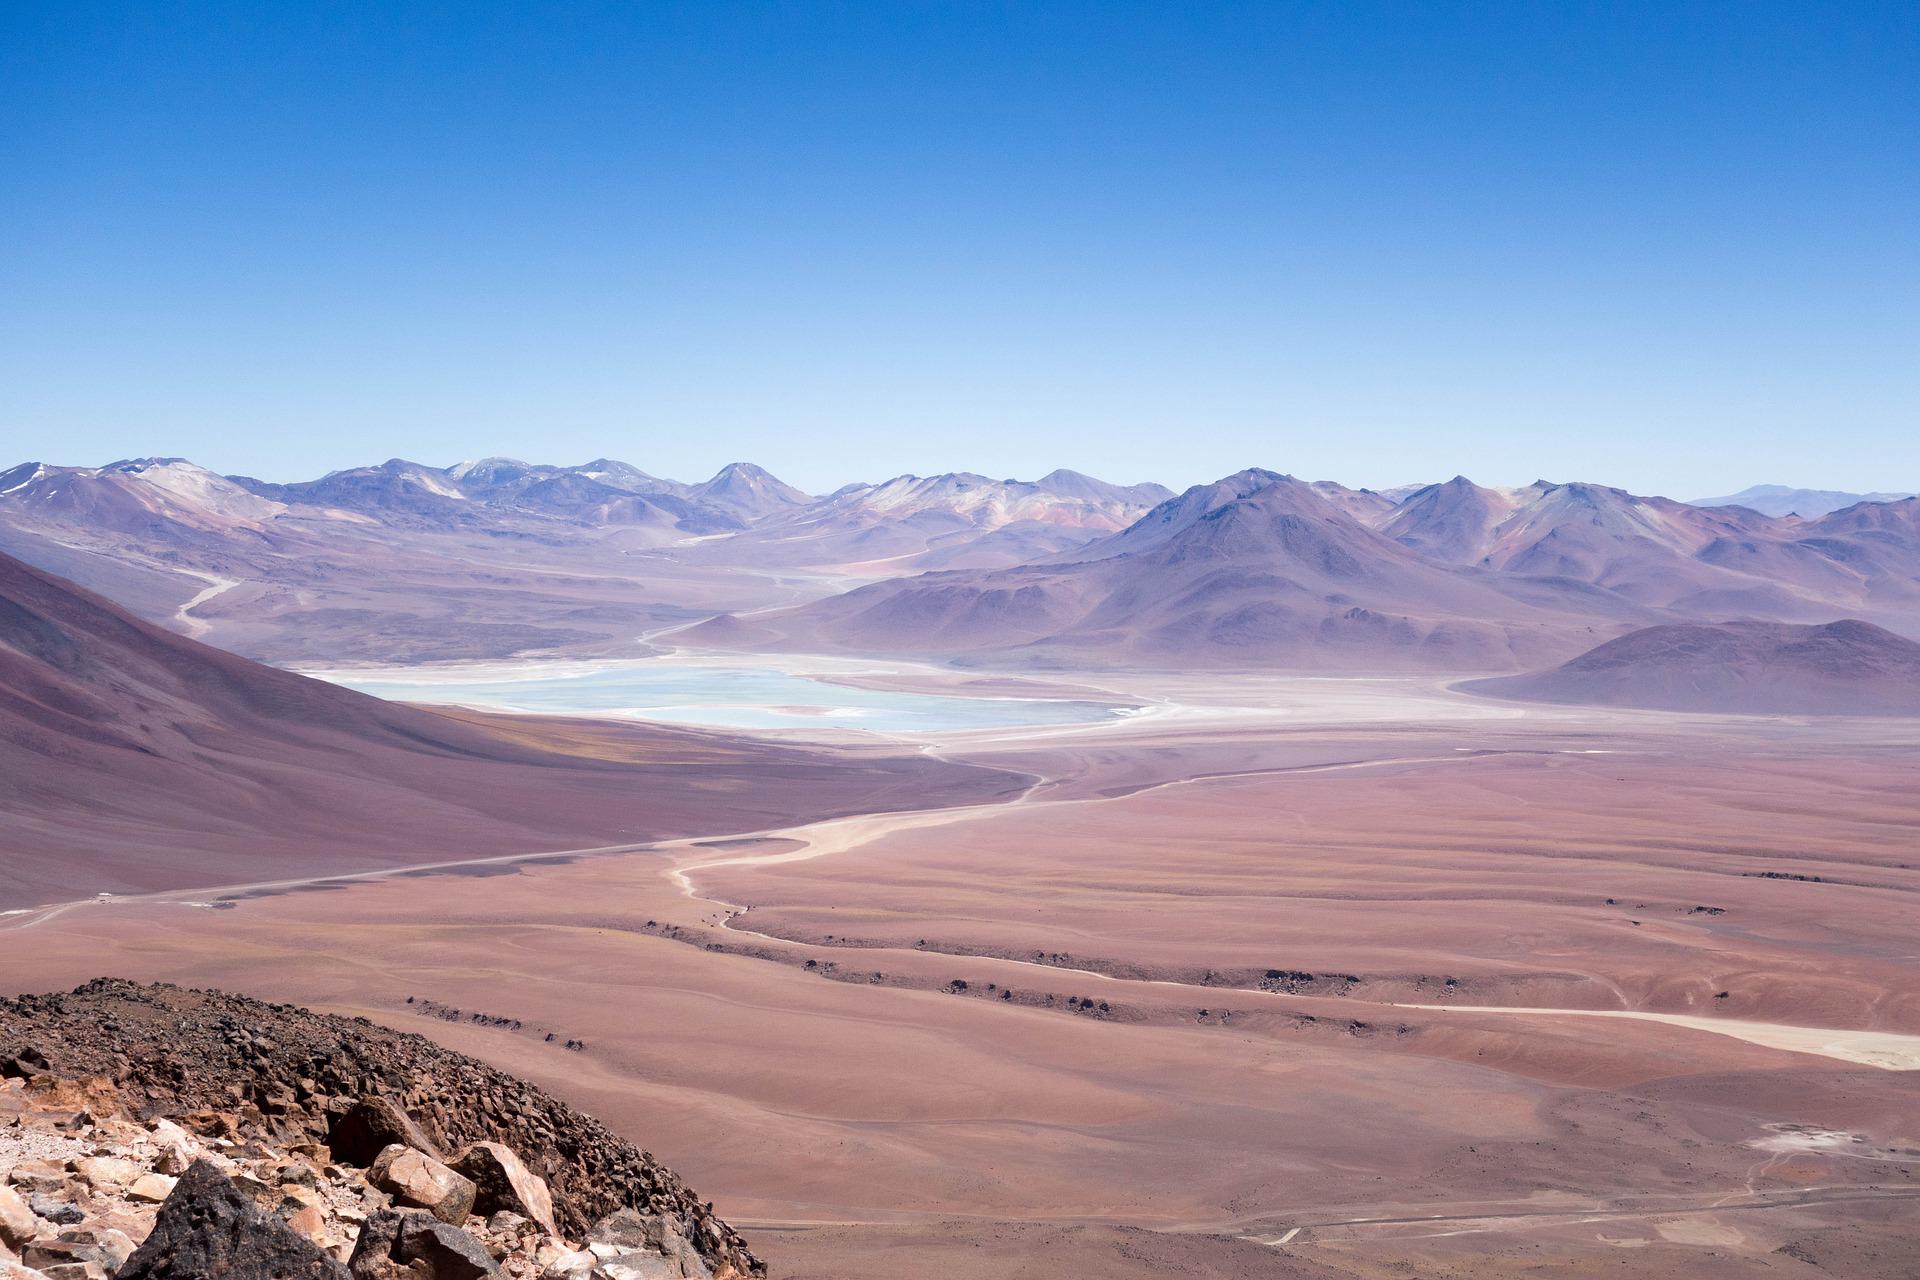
724 696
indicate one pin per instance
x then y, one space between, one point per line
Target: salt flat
713 690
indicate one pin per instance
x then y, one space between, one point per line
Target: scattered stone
106 1248
446 1252
106 1172
37 1175
18 1222
280 1100
300 1196
120 1244
151 1188
67 1271
300 1173
308 1220
44 1254
177 1149
372 1257
57 1211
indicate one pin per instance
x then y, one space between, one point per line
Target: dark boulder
359 1134
208 1229
23 1064
504 1183
445 1252
373 1249
417 1246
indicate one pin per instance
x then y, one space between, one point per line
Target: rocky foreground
161 1133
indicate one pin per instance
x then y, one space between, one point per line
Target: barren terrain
1168 1008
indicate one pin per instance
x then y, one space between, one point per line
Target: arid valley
1279 976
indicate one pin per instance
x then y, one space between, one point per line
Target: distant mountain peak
1785 500
17 478
488 466
738 473
745 471
1250 478
134 466
747 490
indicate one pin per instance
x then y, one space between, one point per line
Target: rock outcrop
207 1227
160 1133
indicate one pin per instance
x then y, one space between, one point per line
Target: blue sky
1674 247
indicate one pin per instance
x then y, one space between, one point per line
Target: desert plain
1279 977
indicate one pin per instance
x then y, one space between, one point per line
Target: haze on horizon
1668 249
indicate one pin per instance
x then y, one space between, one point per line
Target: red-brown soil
1157 1063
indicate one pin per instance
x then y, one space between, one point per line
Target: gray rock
208 1228
58 1212
639 1266
373 1250
447 1252
417 1246
637 1246
104 1246
628 1229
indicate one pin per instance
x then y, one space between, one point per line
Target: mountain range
174 498
497 557
405 562
1265 570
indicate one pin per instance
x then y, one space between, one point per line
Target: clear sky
1670 246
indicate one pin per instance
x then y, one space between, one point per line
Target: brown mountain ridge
135 759
1837 668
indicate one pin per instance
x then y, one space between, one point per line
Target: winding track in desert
1891 1051
216 585
811 841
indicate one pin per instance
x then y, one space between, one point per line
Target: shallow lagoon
720 695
